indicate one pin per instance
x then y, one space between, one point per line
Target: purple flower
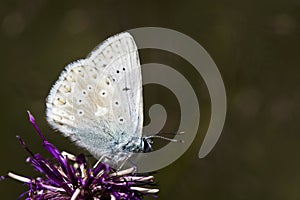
70 177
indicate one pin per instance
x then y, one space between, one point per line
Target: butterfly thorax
122 151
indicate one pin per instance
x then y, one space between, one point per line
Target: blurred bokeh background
255 45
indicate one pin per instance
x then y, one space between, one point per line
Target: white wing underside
97 101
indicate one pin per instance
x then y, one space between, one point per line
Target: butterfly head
147 144
138 145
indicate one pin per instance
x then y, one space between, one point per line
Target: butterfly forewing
119 57
97 102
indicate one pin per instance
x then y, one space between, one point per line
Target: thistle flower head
70 177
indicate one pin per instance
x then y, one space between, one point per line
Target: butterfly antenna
173 133
165 138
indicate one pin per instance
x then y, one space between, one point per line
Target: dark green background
255 44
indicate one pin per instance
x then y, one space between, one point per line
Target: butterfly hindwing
97 101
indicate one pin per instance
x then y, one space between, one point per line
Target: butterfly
97 101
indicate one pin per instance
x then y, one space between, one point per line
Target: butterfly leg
134 165
99 161
123 163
